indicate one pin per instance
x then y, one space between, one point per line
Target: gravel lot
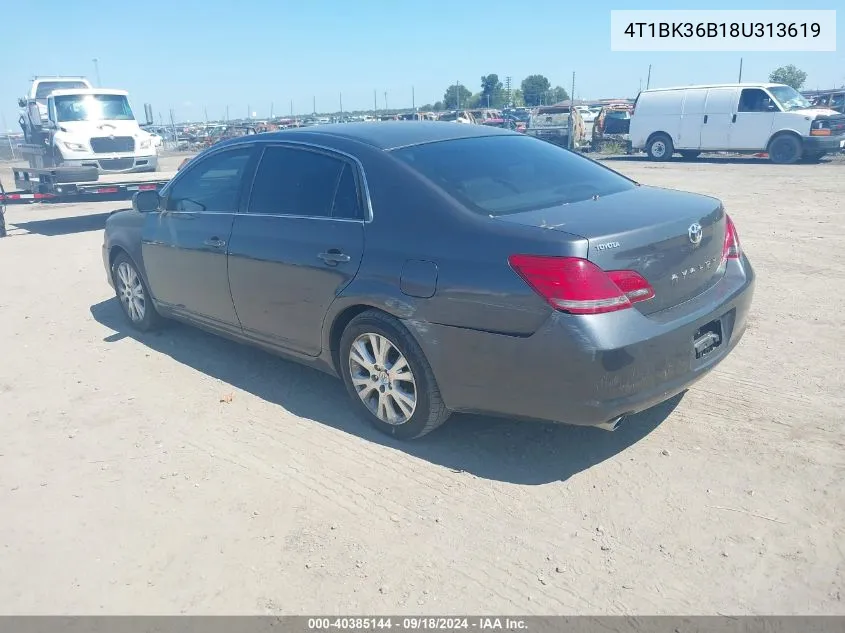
181 473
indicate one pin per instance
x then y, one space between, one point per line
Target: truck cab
91 127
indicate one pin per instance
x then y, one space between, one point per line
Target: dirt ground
180 473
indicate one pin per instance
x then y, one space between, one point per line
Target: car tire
784 150
660 147
690 154
133 295
404 408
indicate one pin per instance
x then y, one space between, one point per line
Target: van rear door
718 112
692 120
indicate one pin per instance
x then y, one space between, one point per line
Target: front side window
300 182
497 175
755 100
210 185
93 108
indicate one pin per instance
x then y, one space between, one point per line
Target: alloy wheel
383 378
130 291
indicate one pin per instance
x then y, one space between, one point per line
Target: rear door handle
334 256
215 242
733 119
705 118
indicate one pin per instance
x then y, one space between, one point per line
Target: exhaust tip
612 425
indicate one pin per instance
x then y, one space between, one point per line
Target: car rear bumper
588 370
815 144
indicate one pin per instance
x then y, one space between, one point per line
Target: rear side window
300 182
497 175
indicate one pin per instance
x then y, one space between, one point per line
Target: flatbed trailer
49 185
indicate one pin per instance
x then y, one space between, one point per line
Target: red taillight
578 286
731 248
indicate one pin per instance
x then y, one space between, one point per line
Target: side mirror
21 102
146 201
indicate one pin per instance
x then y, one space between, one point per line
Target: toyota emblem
695 234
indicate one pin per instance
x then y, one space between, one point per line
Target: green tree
534 88
456 95
491 91
557 94
517 99
789 75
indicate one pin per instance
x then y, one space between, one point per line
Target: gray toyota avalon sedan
437 267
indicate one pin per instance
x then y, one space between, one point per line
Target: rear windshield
498 175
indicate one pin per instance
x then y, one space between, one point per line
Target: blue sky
190 55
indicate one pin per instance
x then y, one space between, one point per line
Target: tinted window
346 201
293 181
496 175
212 184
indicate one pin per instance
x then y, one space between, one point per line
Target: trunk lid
651 231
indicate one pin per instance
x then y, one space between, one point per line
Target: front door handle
705 118
334 257
733 119
215 242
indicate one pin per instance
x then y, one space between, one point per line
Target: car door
184 245
297 244
752 122
716 124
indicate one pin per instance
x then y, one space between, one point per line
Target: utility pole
508 89
205 111
648 79
413 101
375 102
248 112
458 94
385 101
341 104
271 109
97 71
740 71
315 104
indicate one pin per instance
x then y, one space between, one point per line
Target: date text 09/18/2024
406 623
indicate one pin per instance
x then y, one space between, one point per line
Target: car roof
702 86
388 135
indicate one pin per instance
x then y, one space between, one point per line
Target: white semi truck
81 144
68 124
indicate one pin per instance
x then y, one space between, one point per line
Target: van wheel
660 147
689 154
784 150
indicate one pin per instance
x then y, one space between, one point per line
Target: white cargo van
743 118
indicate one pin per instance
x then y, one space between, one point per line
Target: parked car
744 118
438 268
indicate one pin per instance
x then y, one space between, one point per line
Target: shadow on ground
65 226
497 449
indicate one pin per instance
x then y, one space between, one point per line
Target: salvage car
438 268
